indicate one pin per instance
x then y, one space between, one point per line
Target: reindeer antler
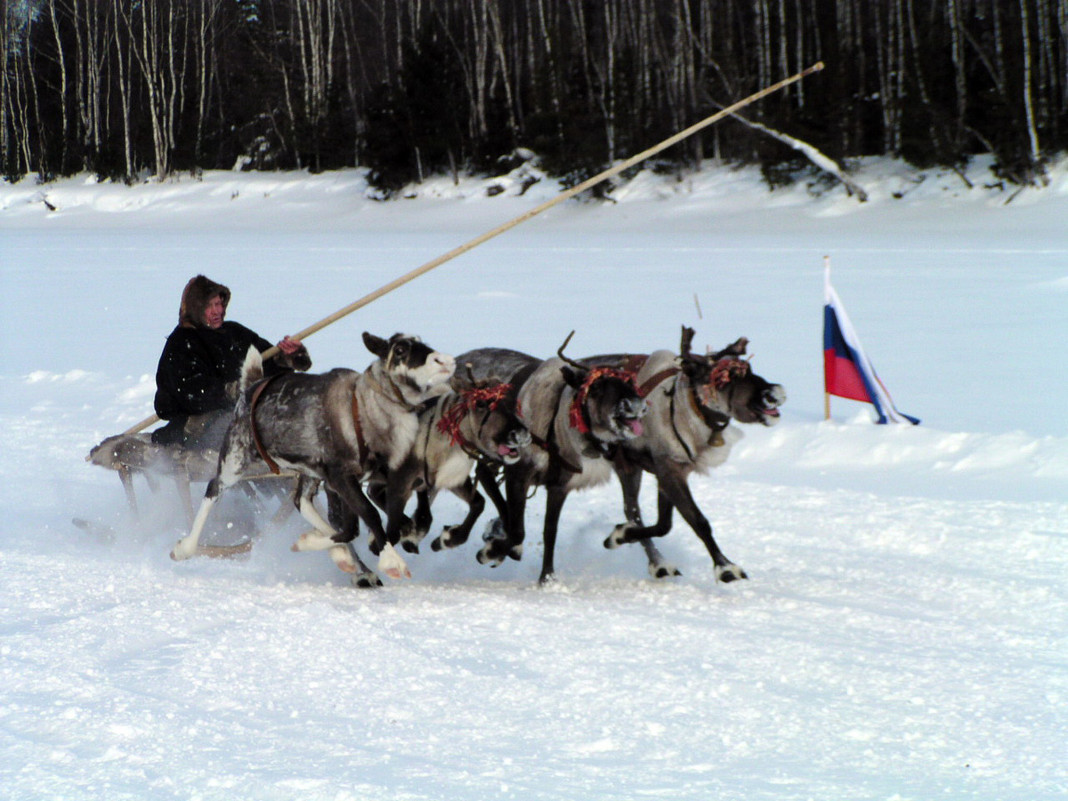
735 349
687 341
568 359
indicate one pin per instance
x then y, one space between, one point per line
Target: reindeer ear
691 367
573 378
378 346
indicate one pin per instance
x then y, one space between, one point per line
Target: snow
902 633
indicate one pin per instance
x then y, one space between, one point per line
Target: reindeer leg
554 504
341 516
187 546
397 495
409 535
454 536
363 577
497 549
323 537
630 479
348 489
423 518
658 567
487 477
675 492
232 465
413 530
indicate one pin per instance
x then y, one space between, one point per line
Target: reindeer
577 415
692 400
333 428
474 424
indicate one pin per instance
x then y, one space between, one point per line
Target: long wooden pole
522 218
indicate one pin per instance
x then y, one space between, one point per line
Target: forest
127 89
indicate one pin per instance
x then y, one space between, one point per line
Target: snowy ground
902 634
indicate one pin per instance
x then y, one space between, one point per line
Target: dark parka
200 366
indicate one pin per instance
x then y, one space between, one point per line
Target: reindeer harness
452 418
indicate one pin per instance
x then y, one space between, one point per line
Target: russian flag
847 372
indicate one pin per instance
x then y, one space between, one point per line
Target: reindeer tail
252 370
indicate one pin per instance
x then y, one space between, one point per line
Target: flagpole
826 394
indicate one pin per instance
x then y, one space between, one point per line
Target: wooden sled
136 454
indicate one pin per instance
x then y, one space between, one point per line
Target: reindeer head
724 383
607 403
414 368
485 419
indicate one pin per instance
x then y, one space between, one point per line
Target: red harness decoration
469 399
725 370
575 416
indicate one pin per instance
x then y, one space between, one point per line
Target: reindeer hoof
183 550
366 581
312 540
663 571
618 536
411 535
443 541
493 554
451 537
343 558
390 563
729 572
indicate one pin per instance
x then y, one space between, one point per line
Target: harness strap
398 396
257 391
653 381
556 461
716 421
361 443
671 415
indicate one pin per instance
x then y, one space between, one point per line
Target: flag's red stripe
842 378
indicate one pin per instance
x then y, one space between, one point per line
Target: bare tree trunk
62 61
1035 167
124 61
502 62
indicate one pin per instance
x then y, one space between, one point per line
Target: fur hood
195 298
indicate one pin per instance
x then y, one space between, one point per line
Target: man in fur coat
197 377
